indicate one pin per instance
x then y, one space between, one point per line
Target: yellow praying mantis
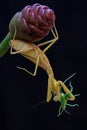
36 55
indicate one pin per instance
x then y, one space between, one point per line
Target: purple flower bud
33 23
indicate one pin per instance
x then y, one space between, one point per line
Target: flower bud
33 23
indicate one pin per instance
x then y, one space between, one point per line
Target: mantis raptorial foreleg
52 41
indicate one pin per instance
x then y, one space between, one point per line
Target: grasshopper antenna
69 78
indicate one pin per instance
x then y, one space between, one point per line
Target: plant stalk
4 45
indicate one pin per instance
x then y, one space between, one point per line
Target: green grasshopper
64 97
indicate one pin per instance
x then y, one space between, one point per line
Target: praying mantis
36 55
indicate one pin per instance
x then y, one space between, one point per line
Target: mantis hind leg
14 52
36 66
35 71
52 41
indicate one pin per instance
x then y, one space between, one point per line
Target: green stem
4 45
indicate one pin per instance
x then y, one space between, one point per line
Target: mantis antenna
37 104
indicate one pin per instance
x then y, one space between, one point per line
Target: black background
19 91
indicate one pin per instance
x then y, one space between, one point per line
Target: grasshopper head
64 98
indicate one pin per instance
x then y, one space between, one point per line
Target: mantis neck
47 66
